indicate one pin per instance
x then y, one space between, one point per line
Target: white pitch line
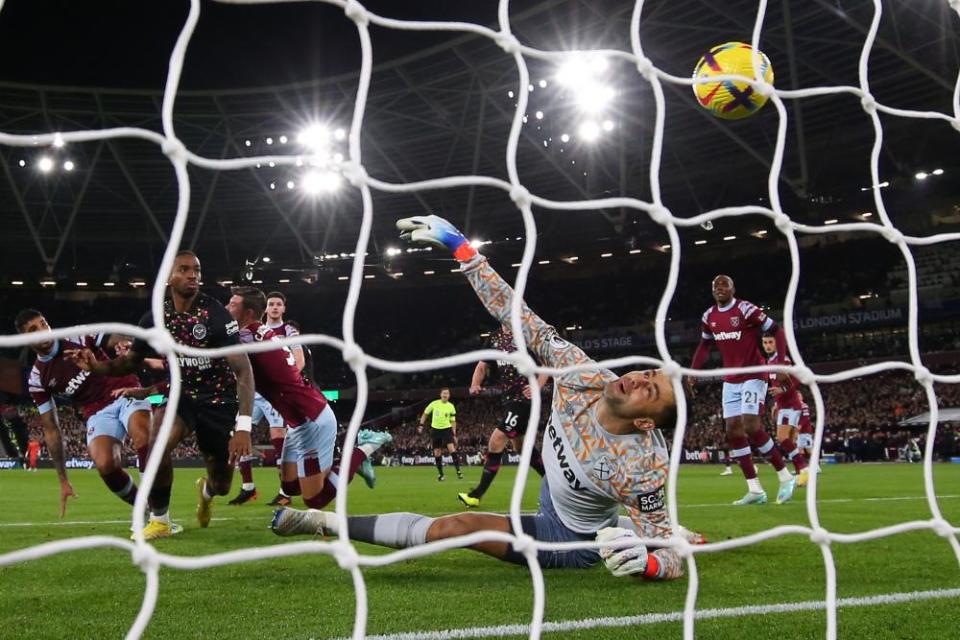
709 505
659 618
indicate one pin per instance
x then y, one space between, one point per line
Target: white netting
150 560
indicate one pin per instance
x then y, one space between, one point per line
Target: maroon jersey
791 397
54 375
736 329
278 380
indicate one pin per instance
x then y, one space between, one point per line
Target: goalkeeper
601 449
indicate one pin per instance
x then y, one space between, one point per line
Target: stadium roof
440 105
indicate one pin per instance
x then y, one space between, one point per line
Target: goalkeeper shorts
546 526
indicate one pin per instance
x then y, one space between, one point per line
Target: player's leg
452 450
739 445
105 451
438 444
321 475
160 525
788 421
491 466
214 427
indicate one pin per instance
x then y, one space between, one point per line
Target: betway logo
568 473
727 335
75 383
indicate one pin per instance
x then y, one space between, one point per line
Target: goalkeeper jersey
590 471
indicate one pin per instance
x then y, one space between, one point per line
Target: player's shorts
212 423
311 444
113 419
516 419
262 409
788 418
546 526
441 437
743 398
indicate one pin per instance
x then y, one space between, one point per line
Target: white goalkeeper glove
438 232
629 561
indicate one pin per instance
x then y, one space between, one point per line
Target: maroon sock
290 487
763 443
329 491
246 471
142 454
789 448
121 484
740 451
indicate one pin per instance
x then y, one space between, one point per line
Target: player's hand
620 561
66 491
436 231
475 389
82 358
527 392
775 391
691 385
241 444
420 429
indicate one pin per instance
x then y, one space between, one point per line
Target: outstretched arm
53 438
493 291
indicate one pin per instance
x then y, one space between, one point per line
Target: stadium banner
689 455
860 318
615 340
9 463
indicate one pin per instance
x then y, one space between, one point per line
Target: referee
443 423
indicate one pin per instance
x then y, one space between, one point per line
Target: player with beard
216 398
601 451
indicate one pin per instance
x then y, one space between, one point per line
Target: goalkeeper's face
643 396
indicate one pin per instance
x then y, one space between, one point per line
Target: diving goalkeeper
601 450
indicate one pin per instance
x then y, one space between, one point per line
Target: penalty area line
659 618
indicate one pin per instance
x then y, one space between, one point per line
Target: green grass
97 593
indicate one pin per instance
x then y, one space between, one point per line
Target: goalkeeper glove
438 232
630 561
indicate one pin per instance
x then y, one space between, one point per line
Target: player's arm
53 438
702 352
124 365
423 417
241 443
493 291
479 375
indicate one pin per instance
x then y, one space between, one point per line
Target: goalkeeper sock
740 451
789 448
395 530
490 468
536 462
120 482
763 443
438 460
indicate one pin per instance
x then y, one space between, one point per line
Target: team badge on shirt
199 331
604 468
734 322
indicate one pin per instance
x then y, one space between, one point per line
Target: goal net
150 561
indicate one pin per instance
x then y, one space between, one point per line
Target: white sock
162 518
784 475
248 486
754 486
368 448
206 491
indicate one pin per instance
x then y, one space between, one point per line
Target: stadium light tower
316 137
317 182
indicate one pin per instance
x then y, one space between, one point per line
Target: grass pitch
97 593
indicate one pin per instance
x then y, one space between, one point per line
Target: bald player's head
723 289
